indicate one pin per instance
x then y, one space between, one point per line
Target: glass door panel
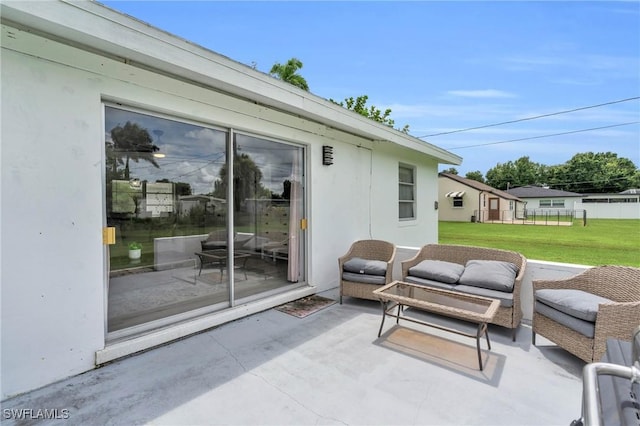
164 195
268 205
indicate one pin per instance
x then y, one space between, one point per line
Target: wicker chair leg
513 337
533 337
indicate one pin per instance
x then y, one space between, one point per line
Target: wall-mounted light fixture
435 205
327 155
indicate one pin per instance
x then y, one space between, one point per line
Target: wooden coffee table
466 307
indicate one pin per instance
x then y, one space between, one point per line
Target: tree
451 170
477 176
359 105
247 179
600 172
513 174
131 142
289 73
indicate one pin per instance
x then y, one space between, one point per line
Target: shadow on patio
327 368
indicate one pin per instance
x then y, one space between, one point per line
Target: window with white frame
551 203
458 202
406 192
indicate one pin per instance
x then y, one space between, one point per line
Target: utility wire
531 118
547 136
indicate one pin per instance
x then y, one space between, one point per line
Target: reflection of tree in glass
131 142
247 182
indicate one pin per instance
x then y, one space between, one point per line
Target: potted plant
135 250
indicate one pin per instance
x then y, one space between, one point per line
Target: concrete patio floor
328 368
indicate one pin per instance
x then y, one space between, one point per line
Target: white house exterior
625 205
541 199
463 200
73 75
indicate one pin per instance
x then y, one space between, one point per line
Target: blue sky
446 66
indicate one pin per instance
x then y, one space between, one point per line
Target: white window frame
412 185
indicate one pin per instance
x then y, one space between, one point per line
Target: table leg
486 334
384 314
478 335
398 316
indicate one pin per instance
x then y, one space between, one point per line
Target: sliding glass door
192 234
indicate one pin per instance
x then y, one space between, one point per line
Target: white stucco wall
53 261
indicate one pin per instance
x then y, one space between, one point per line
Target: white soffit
93 26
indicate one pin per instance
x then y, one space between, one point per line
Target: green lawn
601 242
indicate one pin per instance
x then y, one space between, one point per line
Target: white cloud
486 93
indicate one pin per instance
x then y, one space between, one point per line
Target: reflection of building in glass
142 199
211 205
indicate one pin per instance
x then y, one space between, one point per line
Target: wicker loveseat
442 256
373 263
581 312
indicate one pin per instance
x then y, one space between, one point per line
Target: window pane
406 192
405 174
406 210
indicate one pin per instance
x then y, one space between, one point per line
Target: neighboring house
541 199
624 205
463 200
94 104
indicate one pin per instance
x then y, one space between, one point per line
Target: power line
547 136
531 118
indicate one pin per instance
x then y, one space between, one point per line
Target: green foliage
514 174
584 173
135 246
600 172
601 242
130 143
372 112
247 181
451 170
289 72
477 176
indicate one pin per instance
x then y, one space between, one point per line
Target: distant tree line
588 172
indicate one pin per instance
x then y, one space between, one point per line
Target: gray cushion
577 303
363 278
491 274
437 270
357 265
505 297
586 328
428 283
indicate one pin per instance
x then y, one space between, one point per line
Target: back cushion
491 274
437 270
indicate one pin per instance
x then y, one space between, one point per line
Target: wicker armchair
613 320
507 316
371 250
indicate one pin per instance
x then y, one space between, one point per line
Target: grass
601 242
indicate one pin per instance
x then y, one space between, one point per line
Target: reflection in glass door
267 211
167 194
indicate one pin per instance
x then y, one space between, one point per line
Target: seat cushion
363 278
428 283
586 328
577 303
491 274
437 270
505 297
357 265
